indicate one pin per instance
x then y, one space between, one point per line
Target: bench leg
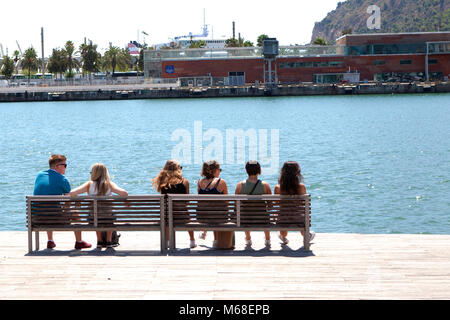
306 240
30 241
172 239
163 241
36 233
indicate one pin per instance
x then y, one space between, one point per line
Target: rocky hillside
396 16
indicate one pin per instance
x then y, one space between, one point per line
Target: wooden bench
64 213
238 213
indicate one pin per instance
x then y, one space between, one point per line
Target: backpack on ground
114 239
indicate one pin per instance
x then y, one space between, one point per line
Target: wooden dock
340 266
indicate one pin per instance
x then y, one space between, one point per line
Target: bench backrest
242 210
58 211
179 210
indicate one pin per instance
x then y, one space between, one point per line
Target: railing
73 82
241 53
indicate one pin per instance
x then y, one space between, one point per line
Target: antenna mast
42 43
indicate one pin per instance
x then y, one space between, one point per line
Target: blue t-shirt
51 183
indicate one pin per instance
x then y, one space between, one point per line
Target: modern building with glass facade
354 58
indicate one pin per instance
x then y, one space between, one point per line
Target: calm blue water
373 164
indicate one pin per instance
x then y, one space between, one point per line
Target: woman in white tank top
100 185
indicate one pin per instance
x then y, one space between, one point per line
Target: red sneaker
82 245
50 244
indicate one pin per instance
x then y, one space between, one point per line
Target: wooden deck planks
340 266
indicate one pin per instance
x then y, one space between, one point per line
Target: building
354 58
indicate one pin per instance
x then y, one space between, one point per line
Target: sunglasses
62 164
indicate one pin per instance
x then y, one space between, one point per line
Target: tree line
68 61
229 43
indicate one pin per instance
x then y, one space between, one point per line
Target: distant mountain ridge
396 16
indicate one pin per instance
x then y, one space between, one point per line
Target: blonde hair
100 175
170 175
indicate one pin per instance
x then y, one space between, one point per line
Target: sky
119 22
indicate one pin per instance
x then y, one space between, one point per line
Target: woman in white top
100 185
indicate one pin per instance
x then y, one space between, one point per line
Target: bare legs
108 236
266 233
77 235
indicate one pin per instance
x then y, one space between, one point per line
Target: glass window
335 63
389 49
379 62
328 78
405 62
320 64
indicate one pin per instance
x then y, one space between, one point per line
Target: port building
399 57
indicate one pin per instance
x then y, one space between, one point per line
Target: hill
396 16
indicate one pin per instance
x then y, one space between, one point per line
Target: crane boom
19 47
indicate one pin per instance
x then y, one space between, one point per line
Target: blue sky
120 21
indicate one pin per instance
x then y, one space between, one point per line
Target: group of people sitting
170 180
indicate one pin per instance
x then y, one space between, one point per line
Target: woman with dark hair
253 186
291 183
170 180
211 184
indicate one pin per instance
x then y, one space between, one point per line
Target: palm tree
16 59
30 61
127 60
231 43
57 62
71 62
261 38
7 67
115 58
90 58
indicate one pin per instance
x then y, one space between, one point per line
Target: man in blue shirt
53 182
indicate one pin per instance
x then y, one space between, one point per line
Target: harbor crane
20 50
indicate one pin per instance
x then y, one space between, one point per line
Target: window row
383 62
311 64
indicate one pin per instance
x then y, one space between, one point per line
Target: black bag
114 239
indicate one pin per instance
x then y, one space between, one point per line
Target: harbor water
372 164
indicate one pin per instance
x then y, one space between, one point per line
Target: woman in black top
170 180
211 184
290 183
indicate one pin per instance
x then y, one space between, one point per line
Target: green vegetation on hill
396 16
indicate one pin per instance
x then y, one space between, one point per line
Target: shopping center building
401 57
